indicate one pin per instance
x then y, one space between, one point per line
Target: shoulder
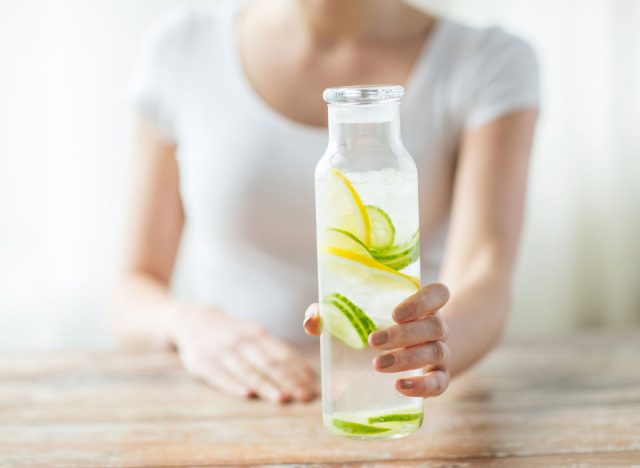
169 52
491 72
181 30
479 49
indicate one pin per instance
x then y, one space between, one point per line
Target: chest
247 183
247 163
291 80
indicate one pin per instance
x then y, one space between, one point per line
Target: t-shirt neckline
421 66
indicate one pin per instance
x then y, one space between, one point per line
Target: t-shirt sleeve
155 79
505 78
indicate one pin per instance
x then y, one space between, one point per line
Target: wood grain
557 402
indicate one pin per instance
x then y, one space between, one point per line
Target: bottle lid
367 94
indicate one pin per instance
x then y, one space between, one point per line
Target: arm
488 204
145 310
443 335
236 357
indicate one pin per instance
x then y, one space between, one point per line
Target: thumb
312 320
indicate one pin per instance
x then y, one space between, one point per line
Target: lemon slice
333 237
347 210
382 229
363 266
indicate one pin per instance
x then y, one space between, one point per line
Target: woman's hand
240 358
418 341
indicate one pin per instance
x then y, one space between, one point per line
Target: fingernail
308 395
386 360
380 338
310 312
401 314
406 383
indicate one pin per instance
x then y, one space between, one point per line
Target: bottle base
375 427
395 435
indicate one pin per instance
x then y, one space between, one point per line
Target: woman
231 126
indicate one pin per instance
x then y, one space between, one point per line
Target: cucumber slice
398 249
342 325
396 417
366 323
345 321
334 237
400 262
349 427
399 256
382 229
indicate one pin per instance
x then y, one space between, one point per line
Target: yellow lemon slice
348 211
364 266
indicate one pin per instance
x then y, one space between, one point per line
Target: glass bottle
368 258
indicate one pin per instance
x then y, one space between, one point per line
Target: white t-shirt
246 172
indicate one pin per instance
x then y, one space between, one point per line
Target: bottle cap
362 95
363 104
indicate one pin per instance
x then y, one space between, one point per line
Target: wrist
186 316
170 320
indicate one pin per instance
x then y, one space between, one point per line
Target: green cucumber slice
349 427
399 256
395 417
403 261
382 229
367 324
341 324
334 237
345 321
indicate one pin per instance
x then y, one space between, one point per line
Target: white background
66 152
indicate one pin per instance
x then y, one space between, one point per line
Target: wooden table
553 402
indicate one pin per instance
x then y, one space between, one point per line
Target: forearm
476 315
488 200
145 312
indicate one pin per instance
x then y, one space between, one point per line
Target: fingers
244 372
431 328
283 368
217 377
312 320
289 367
413 357
290 381
274 349
425 302
431 384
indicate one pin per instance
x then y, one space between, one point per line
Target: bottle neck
365 127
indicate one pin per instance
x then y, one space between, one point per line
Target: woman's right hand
240 358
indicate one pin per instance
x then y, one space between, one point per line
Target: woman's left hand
418 341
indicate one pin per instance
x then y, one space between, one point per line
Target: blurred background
66 163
